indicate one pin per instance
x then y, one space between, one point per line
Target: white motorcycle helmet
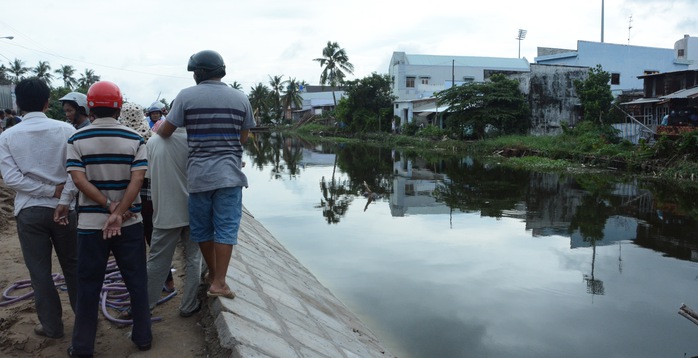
78 98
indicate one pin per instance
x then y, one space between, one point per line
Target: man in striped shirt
107 162
217 119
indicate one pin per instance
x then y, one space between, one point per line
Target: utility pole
602 7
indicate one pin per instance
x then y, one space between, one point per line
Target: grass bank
585 146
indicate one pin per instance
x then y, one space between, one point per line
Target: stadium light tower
522 35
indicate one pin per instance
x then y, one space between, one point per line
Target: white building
418 77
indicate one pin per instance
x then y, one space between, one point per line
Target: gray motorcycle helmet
206 64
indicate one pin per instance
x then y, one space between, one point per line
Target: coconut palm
17 68
259 99
88 78
43 72
334 63
292 97
236 85
66 73
277 84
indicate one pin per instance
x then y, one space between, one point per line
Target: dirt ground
174 336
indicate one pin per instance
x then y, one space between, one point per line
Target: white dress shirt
32 161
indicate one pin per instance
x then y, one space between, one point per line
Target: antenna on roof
630 26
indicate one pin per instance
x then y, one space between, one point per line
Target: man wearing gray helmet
75 108
217 119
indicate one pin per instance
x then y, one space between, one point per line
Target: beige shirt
167 169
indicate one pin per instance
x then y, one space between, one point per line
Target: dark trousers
93 253
38 236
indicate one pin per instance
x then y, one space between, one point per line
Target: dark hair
32 94
102 112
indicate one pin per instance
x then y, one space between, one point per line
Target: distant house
416 78
625 62
664 93
316 100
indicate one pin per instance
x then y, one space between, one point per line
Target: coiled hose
114 294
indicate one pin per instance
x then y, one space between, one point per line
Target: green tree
43 71
497 104
595 94
87 79
55 109
18 69
277 84
66 73
334 63
4 72
367 100
292 97
259 99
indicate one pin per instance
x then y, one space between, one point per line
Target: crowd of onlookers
8 118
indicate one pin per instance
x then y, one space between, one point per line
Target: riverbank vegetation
491 119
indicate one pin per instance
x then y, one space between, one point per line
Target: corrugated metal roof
642 101
684 93
520 64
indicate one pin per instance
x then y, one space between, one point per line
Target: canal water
451 257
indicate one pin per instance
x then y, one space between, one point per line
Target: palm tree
292 97
277 84
66 72
4 80
43 72
17 68
259 99
235 85
88 78
334 61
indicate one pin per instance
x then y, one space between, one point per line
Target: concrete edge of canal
281 309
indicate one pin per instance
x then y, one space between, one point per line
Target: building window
397 106
650 72
425 81
410 82
681 53
615 78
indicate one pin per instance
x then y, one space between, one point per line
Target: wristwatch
108 204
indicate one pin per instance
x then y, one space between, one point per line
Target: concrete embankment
281 309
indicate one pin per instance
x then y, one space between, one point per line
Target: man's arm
244 134
166 129
87 188
113 225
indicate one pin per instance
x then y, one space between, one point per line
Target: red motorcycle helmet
104 94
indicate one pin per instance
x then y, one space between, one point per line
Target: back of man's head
32 94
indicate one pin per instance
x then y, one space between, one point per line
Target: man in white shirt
167 168
32 162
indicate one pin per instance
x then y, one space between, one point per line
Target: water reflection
505 262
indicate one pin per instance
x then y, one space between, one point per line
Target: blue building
625 63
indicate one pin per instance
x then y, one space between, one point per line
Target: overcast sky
143 46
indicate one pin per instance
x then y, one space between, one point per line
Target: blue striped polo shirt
107 152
